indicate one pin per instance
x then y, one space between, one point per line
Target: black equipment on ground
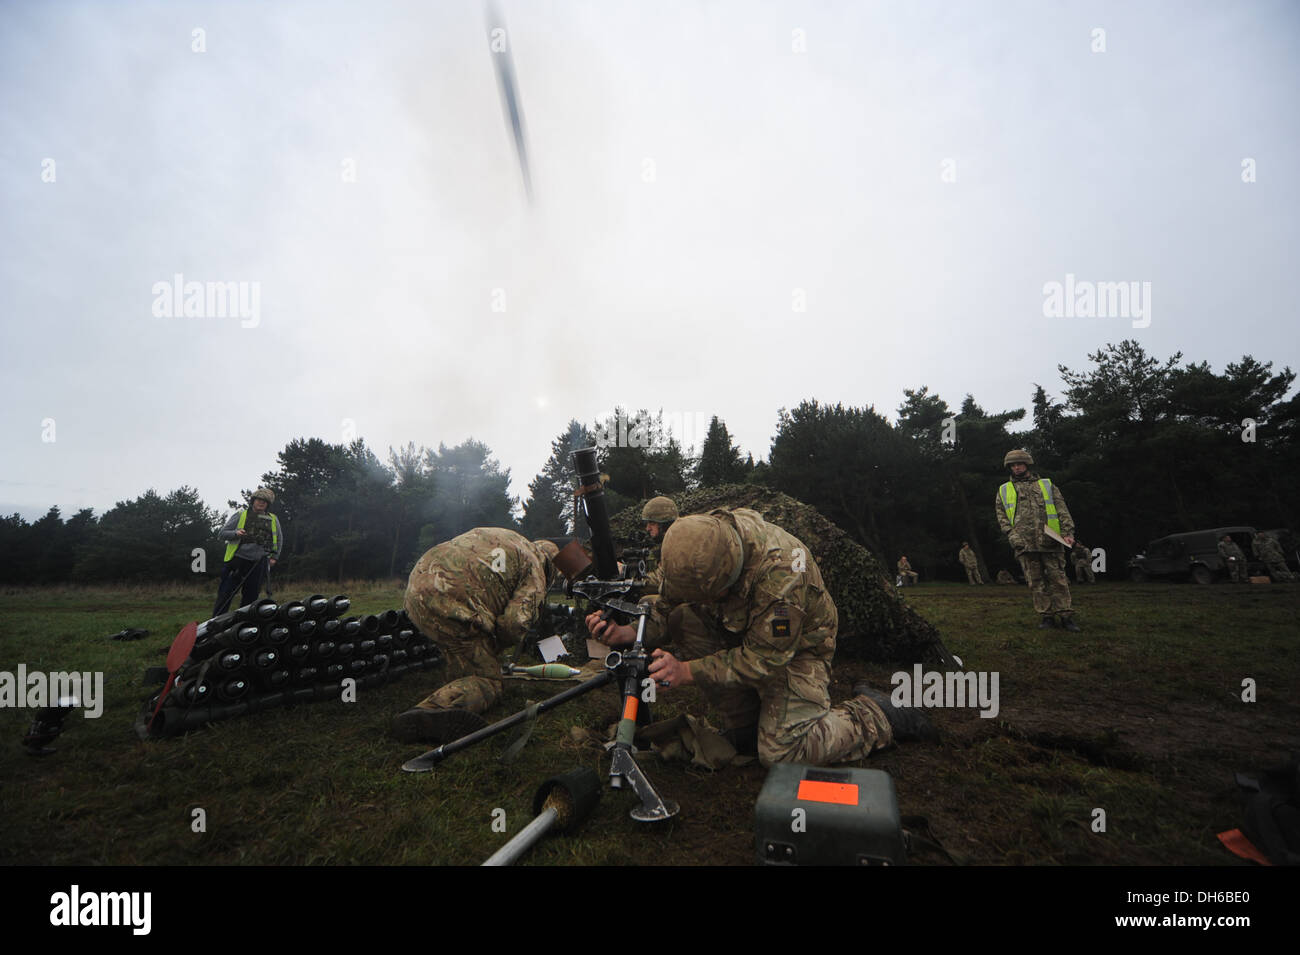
561 803
47 725
811 816
266 655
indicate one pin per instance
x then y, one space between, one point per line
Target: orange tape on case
814 790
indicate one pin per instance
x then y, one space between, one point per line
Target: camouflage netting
875 624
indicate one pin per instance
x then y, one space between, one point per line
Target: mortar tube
597 513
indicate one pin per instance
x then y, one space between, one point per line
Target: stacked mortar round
268 654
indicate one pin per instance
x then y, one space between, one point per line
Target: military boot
1067 623
908 723
1047 622
421 725
744 738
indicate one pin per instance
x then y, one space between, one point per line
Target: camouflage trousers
796 723
473 669
1236 570
973 575
1045 574
910 577
1083 571
1278 571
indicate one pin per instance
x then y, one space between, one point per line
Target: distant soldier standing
1026 505
658 515
472 595
1270 552
971 563
1234 559
1082 563
905 571
253 540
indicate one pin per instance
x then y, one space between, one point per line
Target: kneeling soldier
472 595
745 604
906 574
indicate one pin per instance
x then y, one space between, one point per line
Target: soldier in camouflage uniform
253 539
970 563
472 595
745 604
905 571
1270 552
1025 504
1082 557
1233 559
658 514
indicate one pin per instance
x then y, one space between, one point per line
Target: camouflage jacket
1267 549
653 580
1079 552
1230 551
967 557
489 578
1031 514
771 613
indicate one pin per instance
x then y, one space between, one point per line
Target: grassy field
1141 715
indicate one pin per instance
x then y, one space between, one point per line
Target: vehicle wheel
1137 576
1203 576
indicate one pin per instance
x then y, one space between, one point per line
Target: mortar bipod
630 667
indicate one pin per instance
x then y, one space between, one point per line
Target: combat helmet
1018 456
702 558
265 494
660 510
547 551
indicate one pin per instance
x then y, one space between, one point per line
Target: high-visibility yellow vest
275 535
1007 493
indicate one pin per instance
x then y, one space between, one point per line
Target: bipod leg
623 768
426 762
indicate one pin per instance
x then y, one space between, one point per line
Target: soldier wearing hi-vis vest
1027 505
253 539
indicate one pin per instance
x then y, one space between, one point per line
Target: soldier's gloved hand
610 633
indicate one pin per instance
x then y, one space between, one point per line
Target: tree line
1140 448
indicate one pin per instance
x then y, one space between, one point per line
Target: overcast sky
737 206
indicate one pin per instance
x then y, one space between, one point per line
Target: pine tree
548 511
720 461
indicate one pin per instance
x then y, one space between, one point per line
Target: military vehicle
1191 556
